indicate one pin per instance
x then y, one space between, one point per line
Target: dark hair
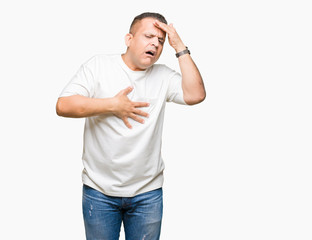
138 18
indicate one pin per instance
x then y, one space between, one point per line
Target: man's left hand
173 37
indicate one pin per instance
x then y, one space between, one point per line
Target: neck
129 62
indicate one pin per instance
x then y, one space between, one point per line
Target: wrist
180 48
111 104
183 52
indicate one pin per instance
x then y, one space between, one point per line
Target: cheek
142 44
160 48
146 42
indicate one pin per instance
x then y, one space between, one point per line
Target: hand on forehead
173 37
163 26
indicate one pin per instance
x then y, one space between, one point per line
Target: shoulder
161 67
164 70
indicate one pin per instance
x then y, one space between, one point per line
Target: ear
128 39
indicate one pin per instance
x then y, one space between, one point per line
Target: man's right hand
123 108
77 106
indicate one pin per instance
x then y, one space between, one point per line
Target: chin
148 63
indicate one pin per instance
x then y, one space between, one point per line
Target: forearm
192 82
77 106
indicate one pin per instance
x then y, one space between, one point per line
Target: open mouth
150 53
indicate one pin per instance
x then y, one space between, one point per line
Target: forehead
147 25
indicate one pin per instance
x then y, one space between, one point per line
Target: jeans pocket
89 192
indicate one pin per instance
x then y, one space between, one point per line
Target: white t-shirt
119 161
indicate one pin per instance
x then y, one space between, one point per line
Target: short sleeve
175 91
82 83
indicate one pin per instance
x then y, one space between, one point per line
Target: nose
155 41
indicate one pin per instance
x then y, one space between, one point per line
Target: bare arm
78 106
192 82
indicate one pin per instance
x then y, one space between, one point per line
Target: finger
126 122
141 113
162 26
126 91
137 118
140 104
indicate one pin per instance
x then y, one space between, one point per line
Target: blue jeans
141 215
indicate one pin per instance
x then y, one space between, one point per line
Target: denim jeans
141 215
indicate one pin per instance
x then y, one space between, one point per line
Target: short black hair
157 16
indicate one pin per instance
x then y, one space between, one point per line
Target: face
145 44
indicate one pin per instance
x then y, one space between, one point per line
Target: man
123 100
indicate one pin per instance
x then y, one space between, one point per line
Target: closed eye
160 40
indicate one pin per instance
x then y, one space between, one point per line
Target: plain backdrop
238 165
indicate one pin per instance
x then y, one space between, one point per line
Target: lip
148 53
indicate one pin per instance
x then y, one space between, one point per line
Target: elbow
63 108
202 97
71 106
60 108
192 100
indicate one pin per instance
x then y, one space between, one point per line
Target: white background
238 166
